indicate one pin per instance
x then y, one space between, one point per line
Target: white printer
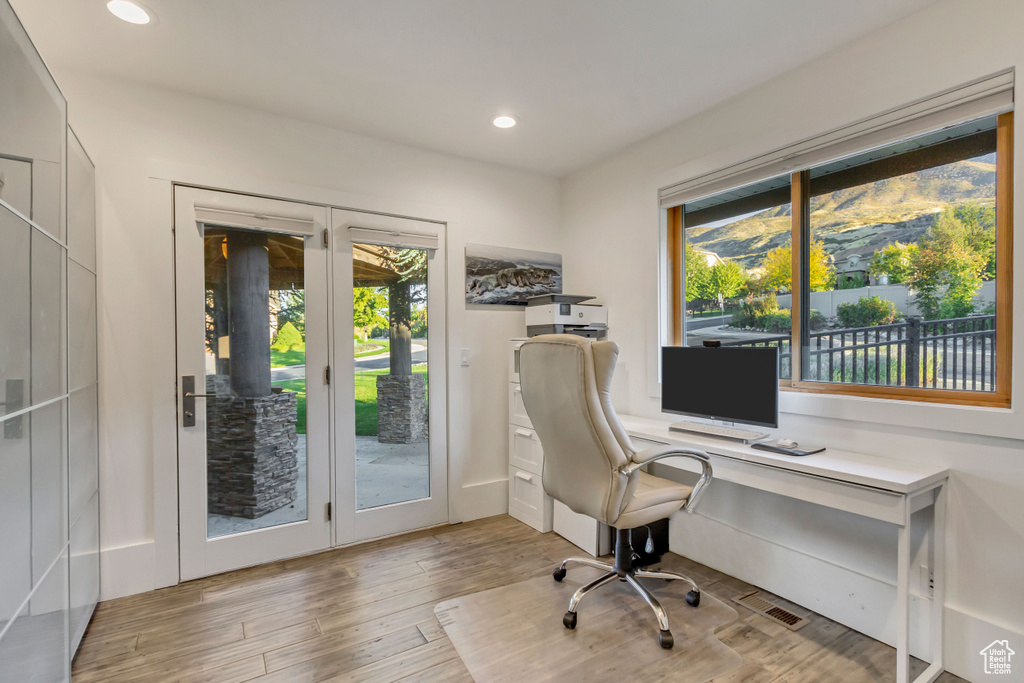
565 314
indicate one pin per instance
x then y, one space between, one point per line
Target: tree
895 260
291 308
726 278
967 228
953 259
698 275
778 268
288 338
369 306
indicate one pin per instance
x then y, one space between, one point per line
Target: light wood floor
367 613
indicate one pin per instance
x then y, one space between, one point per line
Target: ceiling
585 77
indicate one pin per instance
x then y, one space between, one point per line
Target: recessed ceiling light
128 11
504 121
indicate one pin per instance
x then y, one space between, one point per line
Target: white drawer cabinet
516 408
527 501
524 450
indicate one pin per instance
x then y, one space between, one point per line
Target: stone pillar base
401 408
252 455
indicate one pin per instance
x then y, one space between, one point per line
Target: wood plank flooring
366 613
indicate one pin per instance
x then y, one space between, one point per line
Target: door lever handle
188 400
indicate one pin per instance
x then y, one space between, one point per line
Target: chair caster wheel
569 620
693 598
559 573
665 640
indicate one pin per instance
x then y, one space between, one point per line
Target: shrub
867 312
752 310
288 338
855 281
858 367
817 321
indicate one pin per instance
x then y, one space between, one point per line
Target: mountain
858 220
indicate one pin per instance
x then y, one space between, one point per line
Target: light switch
464 358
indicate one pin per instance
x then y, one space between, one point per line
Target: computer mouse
786 443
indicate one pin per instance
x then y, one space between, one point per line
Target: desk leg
903 598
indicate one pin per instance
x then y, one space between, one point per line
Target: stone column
248 272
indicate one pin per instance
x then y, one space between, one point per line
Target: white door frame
198 555
351 525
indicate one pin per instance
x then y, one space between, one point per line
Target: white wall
611 219
134 133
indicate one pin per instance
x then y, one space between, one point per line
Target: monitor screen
731 383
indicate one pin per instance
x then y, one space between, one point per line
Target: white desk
879 488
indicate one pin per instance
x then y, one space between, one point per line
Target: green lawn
384 344
299 387
366 399
281 359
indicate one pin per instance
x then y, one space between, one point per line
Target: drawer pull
524 432
524 476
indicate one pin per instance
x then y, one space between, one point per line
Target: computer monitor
730 383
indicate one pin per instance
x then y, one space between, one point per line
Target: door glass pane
390 345
256 369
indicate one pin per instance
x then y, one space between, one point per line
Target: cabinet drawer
513 359
516 408
524 450
584 532
527 501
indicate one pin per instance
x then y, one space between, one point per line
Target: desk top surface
899 476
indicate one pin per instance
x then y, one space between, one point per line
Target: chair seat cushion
655 498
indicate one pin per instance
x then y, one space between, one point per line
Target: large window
901 257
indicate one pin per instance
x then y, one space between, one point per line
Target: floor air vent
755 602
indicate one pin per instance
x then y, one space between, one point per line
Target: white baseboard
485 499
127 570
860 602
966 636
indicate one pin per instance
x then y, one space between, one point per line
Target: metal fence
958 353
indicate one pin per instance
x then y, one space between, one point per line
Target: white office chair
590 464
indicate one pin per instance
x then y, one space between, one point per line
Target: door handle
188 400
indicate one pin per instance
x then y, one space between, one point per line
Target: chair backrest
565 380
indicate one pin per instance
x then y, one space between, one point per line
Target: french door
252 352
390 394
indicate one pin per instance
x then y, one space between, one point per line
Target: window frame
800 232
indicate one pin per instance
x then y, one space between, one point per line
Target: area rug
515 633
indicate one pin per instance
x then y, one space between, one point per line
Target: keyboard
733 433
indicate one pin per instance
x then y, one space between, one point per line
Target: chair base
624 570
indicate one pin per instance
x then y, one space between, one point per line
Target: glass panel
34 130
81 326
16 512
738 264
35 648
49 485
390 335
33 503
84 568
904 252
256 368
48 326
15 314
83 472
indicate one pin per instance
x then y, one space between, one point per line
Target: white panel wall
136 133
611 219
